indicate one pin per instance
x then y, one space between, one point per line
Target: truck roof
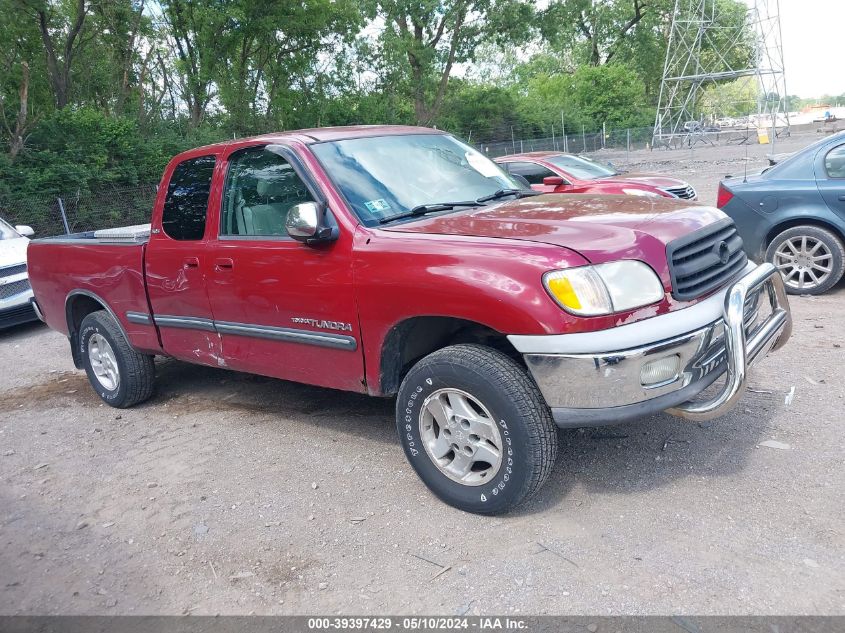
310 136
322 134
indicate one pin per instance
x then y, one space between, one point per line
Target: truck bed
105 266
135 234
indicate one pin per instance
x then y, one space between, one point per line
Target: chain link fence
51 215
578 143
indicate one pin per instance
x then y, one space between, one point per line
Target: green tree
60 25
435 35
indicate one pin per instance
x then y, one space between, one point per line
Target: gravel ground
704 165
228 493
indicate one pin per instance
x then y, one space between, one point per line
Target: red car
399 261
555 172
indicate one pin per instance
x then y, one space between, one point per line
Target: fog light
659 371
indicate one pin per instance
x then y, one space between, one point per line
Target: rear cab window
186 205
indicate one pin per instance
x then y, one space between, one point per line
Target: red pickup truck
398 261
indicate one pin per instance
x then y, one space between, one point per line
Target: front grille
685 193
12 270
14 288
705 259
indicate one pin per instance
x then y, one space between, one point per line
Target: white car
15 292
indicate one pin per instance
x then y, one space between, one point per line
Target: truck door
282 308
175 264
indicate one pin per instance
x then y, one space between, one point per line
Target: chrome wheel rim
461 437
103 362
805 262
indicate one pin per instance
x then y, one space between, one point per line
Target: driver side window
532 172
261 187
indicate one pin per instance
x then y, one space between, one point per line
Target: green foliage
428 38
116 88
483 113
591 96
732 99
86 150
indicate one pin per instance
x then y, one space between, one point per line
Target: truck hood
13 251
600 228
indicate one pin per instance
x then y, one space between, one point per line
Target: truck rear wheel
475 428
120 375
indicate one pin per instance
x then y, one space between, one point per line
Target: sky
812 46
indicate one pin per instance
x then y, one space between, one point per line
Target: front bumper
596 378
18 313
17 308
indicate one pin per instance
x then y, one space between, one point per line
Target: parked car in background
793 215
399 261
15 293
556 172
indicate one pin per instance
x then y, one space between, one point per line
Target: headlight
604 288
641 192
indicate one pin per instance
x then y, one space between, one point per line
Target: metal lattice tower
697 58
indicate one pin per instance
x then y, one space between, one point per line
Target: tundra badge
323 324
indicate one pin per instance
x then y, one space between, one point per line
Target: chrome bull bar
740 353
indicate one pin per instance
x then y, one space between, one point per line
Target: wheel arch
80 303
415 337
792 222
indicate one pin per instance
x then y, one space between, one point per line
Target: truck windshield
7 232
581 168
387 176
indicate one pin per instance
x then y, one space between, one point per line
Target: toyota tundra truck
399 261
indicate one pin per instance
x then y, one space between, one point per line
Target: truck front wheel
120 375
475 428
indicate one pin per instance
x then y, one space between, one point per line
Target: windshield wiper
422 209
501 193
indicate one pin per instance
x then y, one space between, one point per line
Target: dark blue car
793 215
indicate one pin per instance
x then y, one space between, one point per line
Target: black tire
528 433
136 371
830 241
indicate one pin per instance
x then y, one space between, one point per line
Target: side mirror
24 230
306 222
553 181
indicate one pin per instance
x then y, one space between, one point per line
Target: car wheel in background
120 375
810 259
475 428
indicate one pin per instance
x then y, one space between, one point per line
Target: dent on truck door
175 263
282 308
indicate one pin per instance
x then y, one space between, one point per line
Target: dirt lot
704 165
235 494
